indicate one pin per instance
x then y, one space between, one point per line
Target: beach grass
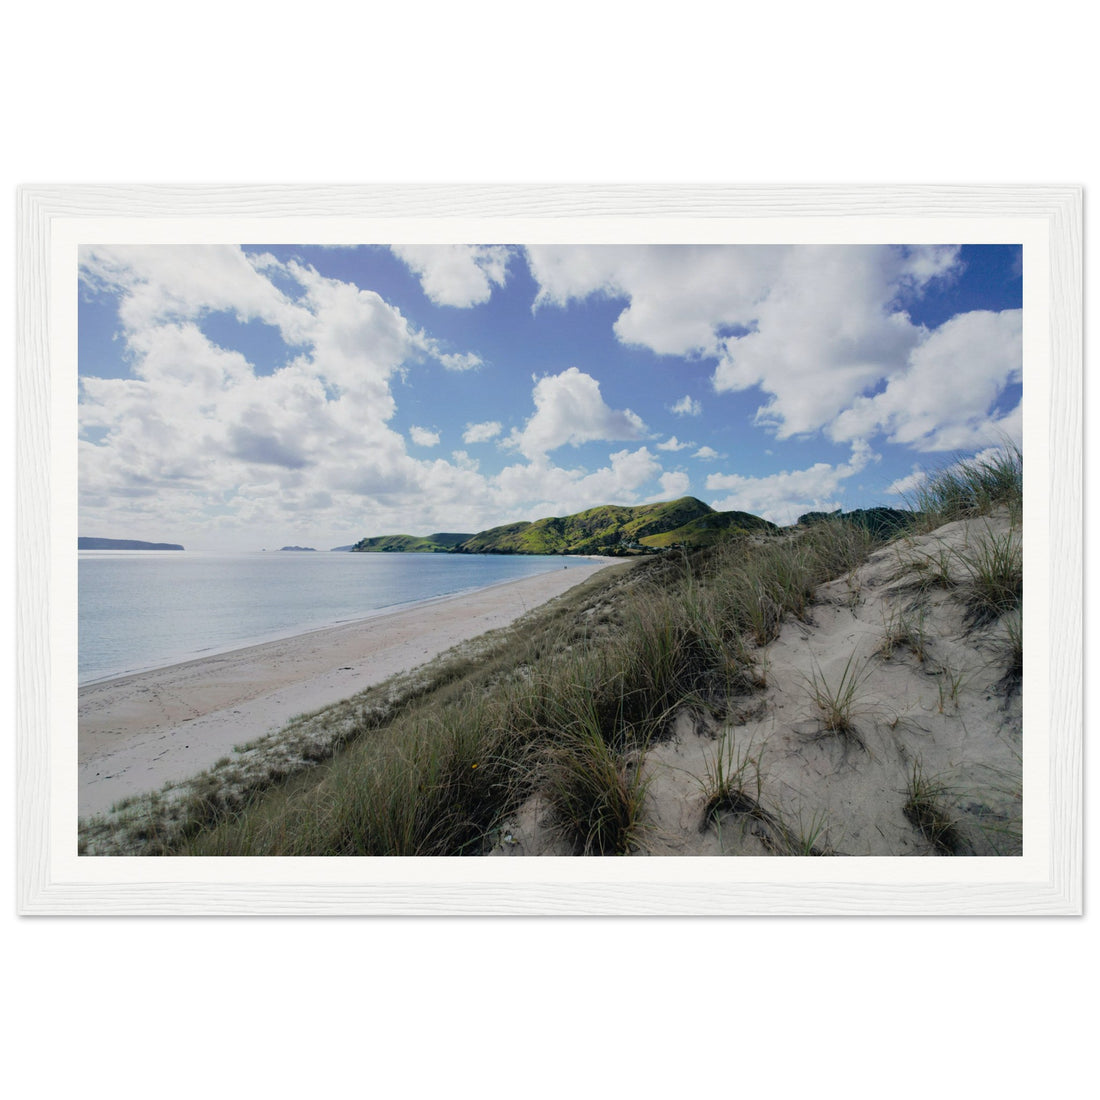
971 487
926 808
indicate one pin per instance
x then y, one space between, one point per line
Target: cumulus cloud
199 431
424 437
554 490
687 406
185 281
826 332
569 408
784 496
707 454
198 444
823 331
673 444
675 483
483 432
942 399
459 275
903 486
678 296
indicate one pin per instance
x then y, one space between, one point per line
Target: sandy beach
137 732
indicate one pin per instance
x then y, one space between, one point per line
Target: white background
594 92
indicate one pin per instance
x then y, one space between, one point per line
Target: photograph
501 552
571 550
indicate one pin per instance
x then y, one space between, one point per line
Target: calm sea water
145 608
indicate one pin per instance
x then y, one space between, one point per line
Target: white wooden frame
1047 879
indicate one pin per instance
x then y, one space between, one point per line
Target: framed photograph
499 549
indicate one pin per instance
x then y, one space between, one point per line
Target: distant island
608 530
83 543
312 549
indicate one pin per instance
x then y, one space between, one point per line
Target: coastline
138 731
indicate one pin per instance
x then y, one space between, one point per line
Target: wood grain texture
120 888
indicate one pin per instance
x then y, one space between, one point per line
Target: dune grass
995 576
905 629
971 487
837 701
926 808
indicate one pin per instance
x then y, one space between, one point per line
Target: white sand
138 732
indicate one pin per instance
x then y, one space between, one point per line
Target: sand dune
933 703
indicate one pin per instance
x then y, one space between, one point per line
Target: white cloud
823 331
200 446
687 406
707 454
943 398
678 295
570 409
783 497
423 437
902 486
674 484
673 444
197 439
481 433
459 361
460 275
552 490
163 284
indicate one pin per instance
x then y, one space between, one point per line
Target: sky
244 398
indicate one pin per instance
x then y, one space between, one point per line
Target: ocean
141 609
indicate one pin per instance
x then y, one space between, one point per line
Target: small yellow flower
473 765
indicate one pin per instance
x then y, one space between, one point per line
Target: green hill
441 543
609 529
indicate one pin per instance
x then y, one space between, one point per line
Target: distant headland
608 530
299 548
83 543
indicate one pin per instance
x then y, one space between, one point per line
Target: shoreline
137 731
279 635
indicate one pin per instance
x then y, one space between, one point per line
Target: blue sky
238 398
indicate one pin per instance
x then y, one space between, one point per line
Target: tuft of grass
729 773
995 576
1013 677
925 808
949 683
972 487
596 793
809 838
733 785
837 704
905 630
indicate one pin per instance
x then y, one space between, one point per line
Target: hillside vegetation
610 529
441 543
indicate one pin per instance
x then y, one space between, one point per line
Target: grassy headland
608 530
